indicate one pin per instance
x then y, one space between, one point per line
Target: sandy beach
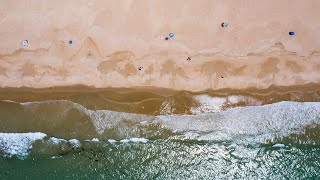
112 39
159 89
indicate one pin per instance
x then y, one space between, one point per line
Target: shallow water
172 135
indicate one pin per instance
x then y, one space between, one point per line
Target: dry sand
111 39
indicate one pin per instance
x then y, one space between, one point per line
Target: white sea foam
279 146
56 140
247 124
56 157
9 101
111 141
249 101
75 143
234 99
18 144
144 140
166 108
134 140
105 119
95 140
124 140
143 122
209 104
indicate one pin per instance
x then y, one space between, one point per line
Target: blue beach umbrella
171 35
70 42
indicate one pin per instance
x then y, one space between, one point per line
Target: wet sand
111 39
152 101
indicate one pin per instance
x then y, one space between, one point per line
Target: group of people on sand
171 35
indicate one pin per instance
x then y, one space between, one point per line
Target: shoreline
85 88
155 101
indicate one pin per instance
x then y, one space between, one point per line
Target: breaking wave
249 124
18 144
255 124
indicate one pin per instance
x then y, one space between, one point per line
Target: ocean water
155 136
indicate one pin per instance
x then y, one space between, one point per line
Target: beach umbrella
224 24
25 42
291 33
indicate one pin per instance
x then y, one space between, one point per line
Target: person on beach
224 25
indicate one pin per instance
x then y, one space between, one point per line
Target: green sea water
168 159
